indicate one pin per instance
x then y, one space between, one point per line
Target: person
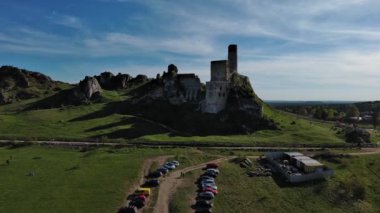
7 161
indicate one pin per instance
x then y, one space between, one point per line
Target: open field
68 180
102 121
355 177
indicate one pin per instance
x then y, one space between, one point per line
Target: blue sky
290 49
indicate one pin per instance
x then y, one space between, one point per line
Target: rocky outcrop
175 88
4 98
109 81
88 90
241 96
16 84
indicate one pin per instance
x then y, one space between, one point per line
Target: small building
296 167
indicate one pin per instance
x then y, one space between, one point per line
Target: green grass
181 202
102 120
300 132
240 193
67 180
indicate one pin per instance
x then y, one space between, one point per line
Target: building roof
292 154
311 162
300 157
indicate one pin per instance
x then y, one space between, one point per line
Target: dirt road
143 172
367 151
171 182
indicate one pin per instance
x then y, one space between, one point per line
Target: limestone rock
241 96
4 99
87 90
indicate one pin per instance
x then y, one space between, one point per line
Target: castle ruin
217 88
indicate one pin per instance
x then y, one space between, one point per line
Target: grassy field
71 180
355 177
293 131
67 180
98 121
185 193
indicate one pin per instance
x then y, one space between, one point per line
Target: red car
212 166
209 189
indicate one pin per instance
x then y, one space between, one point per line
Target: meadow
104 121
52 179
356 178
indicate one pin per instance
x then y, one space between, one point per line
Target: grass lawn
240 193
67 180
98 121
293 130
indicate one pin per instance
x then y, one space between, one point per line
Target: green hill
115 116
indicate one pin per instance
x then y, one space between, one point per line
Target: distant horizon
304 49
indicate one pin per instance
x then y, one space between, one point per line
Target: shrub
346 189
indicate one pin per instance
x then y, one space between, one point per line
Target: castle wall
216 96
219 70
232 58
191 86
217 88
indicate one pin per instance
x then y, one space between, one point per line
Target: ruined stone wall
232 58
219 70
191 87
216 96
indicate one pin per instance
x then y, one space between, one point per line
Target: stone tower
232 58
217 88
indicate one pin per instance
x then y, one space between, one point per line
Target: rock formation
172 87
109 81
18 84
88 89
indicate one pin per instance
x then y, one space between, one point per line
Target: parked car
210 189
211 174
206 185
212 166
163 170
205 196
203 210
155 174
202 178
213 170
143 191
204 203
169 166
137 203
152 183
210 181
176 163
205 177
128 209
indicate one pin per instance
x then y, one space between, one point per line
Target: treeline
363 112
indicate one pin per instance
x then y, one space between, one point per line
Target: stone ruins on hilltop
217 88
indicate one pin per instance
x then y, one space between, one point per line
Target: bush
347 190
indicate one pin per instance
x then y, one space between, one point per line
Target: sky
290 49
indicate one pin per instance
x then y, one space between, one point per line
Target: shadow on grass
136 128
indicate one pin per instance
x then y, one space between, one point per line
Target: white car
169 166
216 171
176 163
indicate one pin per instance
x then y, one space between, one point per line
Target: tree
376 118
353 111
